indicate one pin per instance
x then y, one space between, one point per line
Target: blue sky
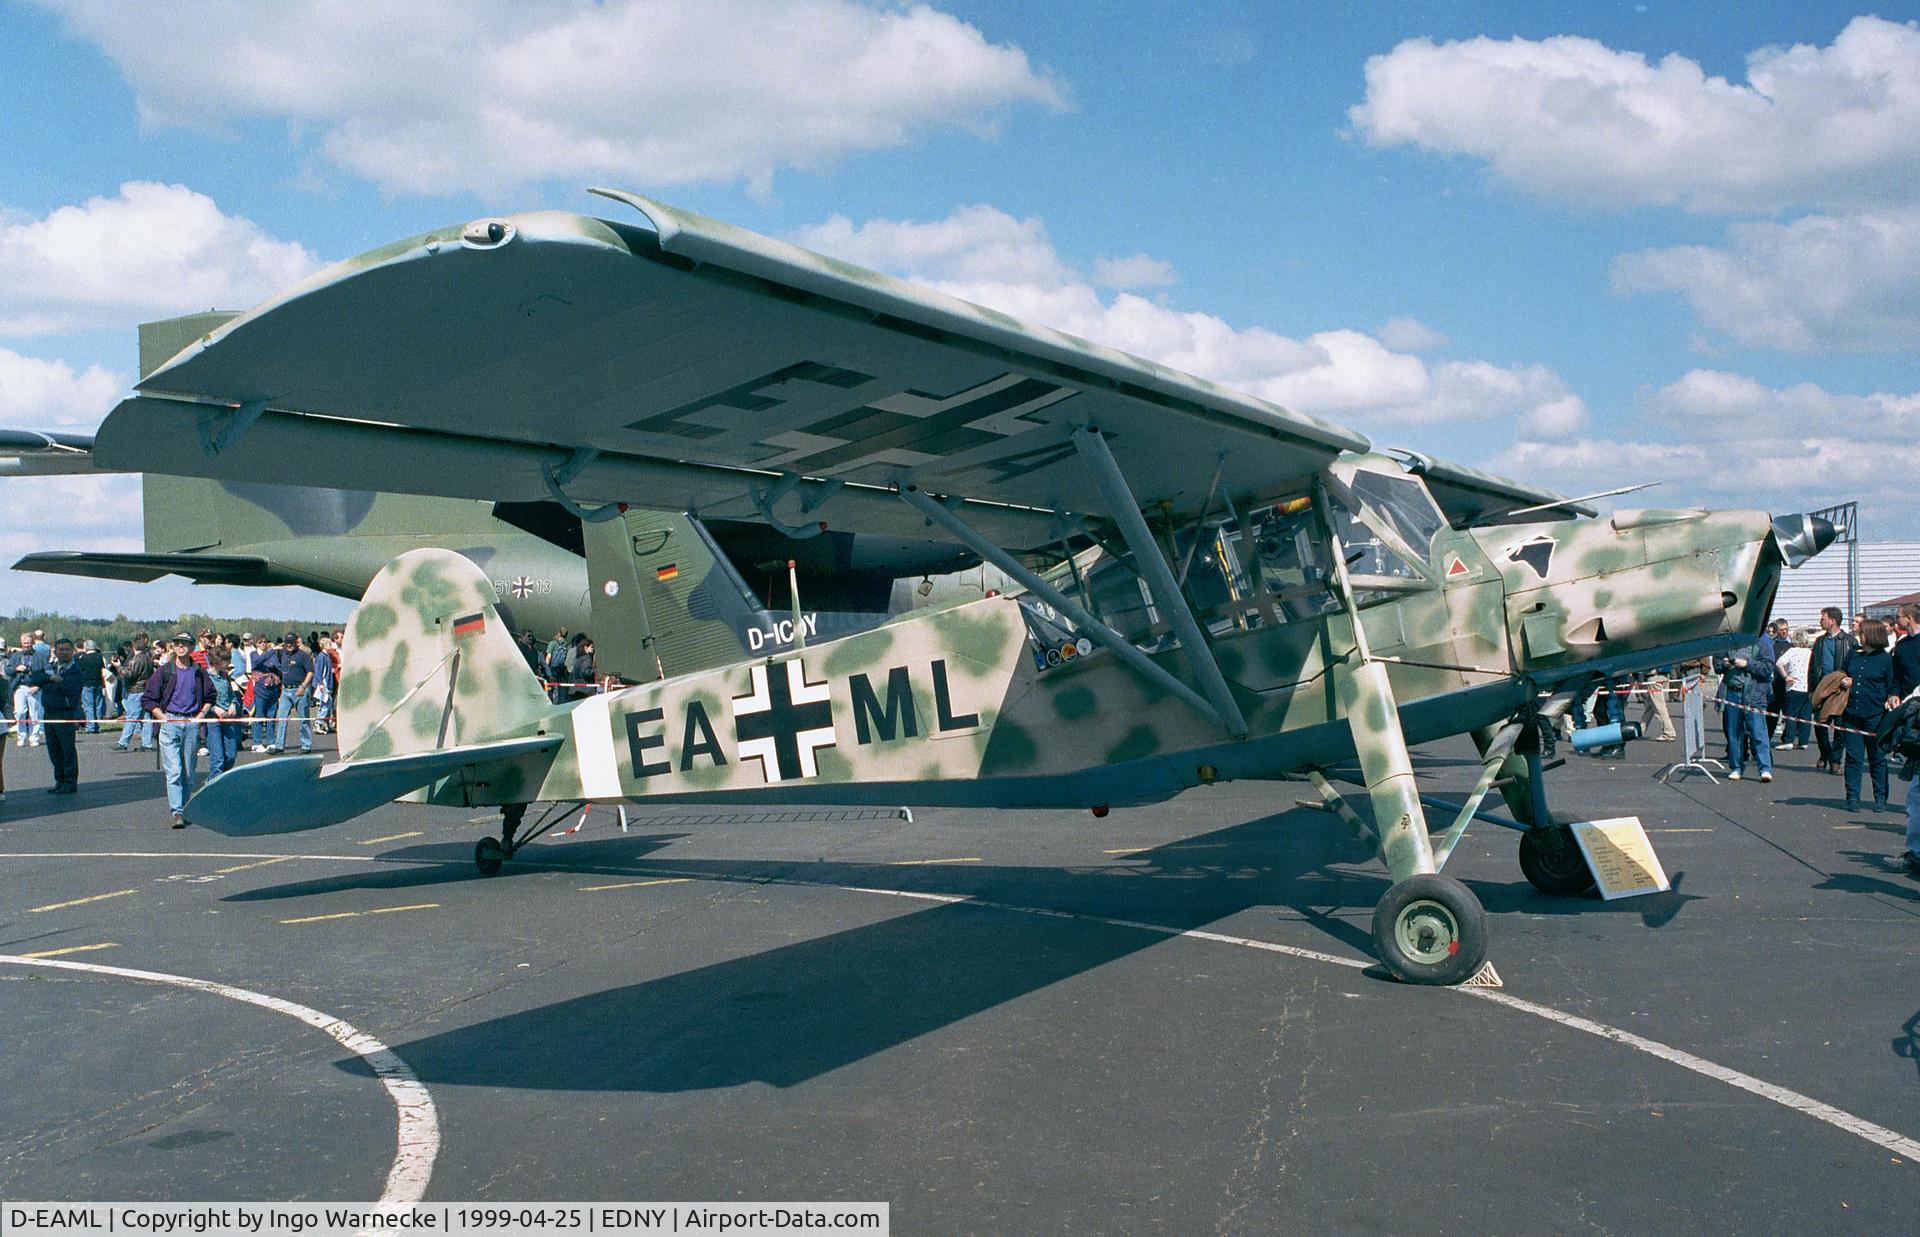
1587 245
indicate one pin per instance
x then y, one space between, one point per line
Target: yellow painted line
1198 846
381 910
482 820
98 897
921 863
1129 850
392 838
244 866
72 949
1849 826
673 880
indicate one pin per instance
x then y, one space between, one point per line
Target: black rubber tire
1430 929
488 855
1552 862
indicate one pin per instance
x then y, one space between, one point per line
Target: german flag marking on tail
670 572
469 625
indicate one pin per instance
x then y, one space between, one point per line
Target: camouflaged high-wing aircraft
1215 588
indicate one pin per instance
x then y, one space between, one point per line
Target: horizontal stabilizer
246 569
289 793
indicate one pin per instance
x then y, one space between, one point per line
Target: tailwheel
488 855
1552 861
1430 929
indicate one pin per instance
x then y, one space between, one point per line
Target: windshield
1405 504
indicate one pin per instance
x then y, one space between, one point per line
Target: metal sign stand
1693 733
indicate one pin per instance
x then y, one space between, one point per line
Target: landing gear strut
1549 857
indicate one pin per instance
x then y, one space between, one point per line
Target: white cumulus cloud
151 251
1410 335
1573 119
1821 283
1715 438
484 95
985 255
42 394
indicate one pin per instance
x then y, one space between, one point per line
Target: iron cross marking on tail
784 721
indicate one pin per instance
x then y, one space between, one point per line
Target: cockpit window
1406 505
1368 555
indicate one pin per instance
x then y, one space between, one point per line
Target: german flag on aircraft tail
469 625
670 572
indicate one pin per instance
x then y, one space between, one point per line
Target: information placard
1620 857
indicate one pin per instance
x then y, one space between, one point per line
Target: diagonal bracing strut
1159 578
1123 648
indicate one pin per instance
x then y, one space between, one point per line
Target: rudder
429 664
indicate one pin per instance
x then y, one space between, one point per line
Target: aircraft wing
246 569
45 453
690 366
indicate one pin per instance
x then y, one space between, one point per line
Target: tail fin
666 600
429 664
436 705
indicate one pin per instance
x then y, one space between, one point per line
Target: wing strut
1123 648
1166 593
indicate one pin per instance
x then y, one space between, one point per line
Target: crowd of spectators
209 695
189 696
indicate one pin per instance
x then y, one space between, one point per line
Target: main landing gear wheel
488 855
1430 929
1552 861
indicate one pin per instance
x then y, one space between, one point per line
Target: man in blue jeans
134 674
179 696
296 682
266 691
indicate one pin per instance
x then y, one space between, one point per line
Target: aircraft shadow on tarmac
788 1014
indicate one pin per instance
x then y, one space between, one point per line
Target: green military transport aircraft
1215 588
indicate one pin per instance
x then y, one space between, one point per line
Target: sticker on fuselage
1535 553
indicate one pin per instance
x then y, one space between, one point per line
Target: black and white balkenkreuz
784 721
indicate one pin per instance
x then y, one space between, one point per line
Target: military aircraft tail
436 704
667 598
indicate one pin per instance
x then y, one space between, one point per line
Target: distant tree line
111 633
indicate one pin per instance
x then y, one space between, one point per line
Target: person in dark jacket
61 681
1906 654
179 696
1830 653
1869 671
1748 686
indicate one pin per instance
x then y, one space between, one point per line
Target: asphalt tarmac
1164 1021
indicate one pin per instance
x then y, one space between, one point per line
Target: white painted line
1897 1143
417 1133
179 854
393 837
926 863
